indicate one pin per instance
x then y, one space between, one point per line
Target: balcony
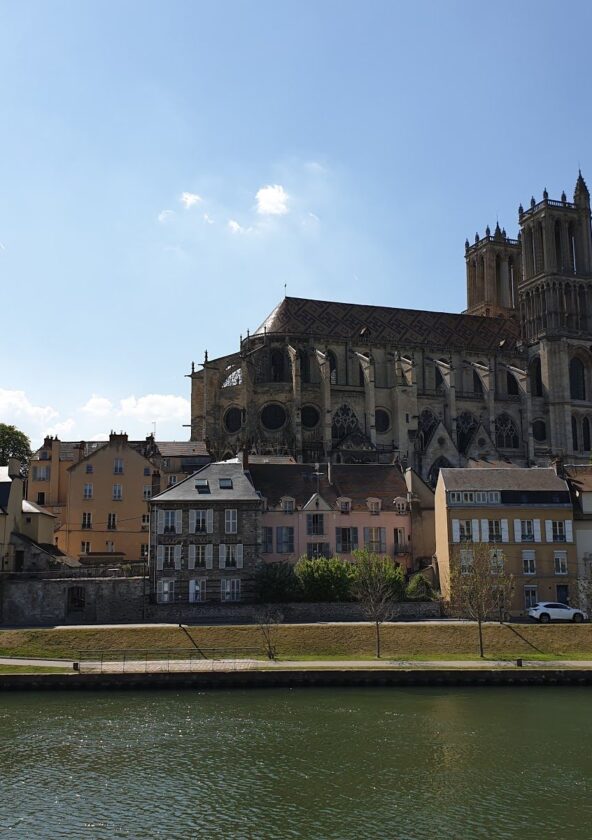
402 548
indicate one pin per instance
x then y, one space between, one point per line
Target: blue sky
166 167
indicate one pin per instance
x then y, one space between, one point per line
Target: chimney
14 468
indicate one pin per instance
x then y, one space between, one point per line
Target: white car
552 611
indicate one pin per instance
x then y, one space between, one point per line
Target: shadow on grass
524 639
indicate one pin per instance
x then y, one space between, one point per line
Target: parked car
551 611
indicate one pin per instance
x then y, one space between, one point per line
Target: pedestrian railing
164 660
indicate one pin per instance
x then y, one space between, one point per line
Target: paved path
48 663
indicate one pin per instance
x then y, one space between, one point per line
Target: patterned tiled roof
387 325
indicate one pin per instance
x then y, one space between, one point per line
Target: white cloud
315 167
2 246
97 406
235 227
272 201
100 436
208 219
165 215
15 406
155 407
189 199
62 429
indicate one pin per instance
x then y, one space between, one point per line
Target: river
344 764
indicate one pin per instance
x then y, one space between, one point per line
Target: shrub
276 582
419 589
324 579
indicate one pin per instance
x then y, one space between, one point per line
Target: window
284 537
41 473
144 551
528 562
117 492
145 521
170 521
41 498
225 484
110 546
577 380
232 556
560 562
118 466
165 591
558 530
201 522
466 560
506 436
111 521
530 596
231 589
85 547
332 367
147 491
346 540
197 590
481 497
495 530
288 505
318 549
172 481
230 521
375 540
89 469
344 506
146 471
315 524
527 530
267 542
468 497
496 561
87 493
169 557
202 486
86 521
455 497
466 530
374 506
200 556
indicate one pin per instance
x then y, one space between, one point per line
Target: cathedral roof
388 325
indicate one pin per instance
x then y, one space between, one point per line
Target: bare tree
378 585
268 621
479 587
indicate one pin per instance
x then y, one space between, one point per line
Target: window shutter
309 524
354 539
455 530
209 556
279 539
239 556
192 521
160 522
209 521
568 530
549 530
191 587
366 537
517 530
222 556
160 558
537 530
178 521
191 557
475 530
505 534
338 540
178 557
485 530
382 532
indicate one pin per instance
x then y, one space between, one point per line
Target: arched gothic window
278 366
361 375
426 426
506 435
434 470
439 380
332 367
577 379
512 385
344 422
477 384
586 434
465 426
574 433
536 380
304 365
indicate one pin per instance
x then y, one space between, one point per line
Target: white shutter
239 556
160 558
209 556
568 530
517 530
475 530
485 530
160 522
191 557
505 534
192 589
537 530
209 521
455 530
178 558
178 521
222 556
192 521
549 530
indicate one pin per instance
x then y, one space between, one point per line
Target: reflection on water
342 764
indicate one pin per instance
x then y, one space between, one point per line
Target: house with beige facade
523 516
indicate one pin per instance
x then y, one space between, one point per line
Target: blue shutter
354 539
338 543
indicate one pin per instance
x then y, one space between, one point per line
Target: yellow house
525 517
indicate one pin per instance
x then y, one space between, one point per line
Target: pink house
333 510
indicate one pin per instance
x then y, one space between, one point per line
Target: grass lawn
32 669
317 641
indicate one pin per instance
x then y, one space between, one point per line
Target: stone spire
581 194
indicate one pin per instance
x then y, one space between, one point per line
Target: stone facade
511 378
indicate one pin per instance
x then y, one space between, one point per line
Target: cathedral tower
493 274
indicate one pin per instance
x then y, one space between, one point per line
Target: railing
166 660
547 202
402 548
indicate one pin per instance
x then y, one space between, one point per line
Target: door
563 593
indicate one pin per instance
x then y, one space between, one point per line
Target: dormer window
344 505
400 504
287 505
202 485
225 484
374 506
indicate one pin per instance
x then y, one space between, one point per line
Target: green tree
378 584
324 578
276 582
14 444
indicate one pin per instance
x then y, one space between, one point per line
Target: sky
169 170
